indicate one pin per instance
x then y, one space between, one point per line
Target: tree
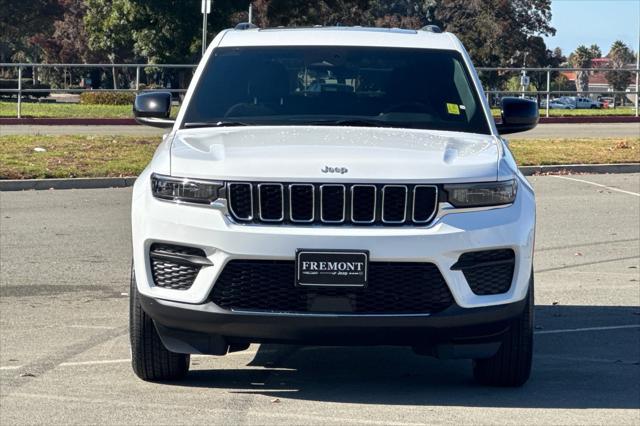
401 13
541 57
619 56
109 29
296 13
495 32
581 58
22 20
67 43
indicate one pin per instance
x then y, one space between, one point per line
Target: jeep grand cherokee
342 186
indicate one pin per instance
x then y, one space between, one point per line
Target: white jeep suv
341 186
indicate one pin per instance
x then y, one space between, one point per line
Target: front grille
332 204
175 275
489 271
392 288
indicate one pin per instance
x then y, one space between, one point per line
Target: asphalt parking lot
546 130
64 354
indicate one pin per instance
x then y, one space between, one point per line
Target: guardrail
547 93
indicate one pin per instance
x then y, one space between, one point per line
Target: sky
594 21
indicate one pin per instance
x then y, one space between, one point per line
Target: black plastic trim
454 324
180 258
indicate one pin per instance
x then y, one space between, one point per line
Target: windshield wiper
348 122
215 124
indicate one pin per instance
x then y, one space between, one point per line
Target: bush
107 98
27 83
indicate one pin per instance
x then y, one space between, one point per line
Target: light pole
637 68
205 8
524 78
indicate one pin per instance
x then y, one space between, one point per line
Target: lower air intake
488 272
393 288
173 274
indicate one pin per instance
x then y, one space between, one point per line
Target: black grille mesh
363 203
302 206
393 288
240 200
174 275
489 271
425 200
394 204
333 208
271 202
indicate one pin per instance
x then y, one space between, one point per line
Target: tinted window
393 87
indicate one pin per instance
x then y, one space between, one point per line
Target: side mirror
153 109
518 115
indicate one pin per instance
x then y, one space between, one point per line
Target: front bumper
441 243
454 333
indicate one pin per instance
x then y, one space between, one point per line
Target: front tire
150 360
511 365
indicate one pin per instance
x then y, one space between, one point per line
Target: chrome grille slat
386 207
325 187
416 202
263 187
303 203
292 187
354 188
231 199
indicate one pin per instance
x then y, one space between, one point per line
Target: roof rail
245 26
432 29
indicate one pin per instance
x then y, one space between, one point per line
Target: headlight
184 189
482 194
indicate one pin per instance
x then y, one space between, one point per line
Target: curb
592 119
72 183
97 183
578 168
130 121
70 121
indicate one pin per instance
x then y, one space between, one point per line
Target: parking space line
103 361
118 361
598 184
585 359
578 330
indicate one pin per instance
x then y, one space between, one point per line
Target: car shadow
572 369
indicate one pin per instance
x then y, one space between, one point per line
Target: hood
340 154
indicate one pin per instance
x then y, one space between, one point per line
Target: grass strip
115 156
627 111
68 110
541 152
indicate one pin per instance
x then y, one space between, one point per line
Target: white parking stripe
597 184
125 360
103 361
577 330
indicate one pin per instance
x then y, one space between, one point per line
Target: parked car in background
607 102
557 104
581 102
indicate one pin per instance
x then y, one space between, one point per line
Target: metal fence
547 93
20 91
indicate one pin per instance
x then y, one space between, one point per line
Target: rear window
392 87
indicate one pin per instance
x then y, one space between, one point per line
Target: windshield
358 86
